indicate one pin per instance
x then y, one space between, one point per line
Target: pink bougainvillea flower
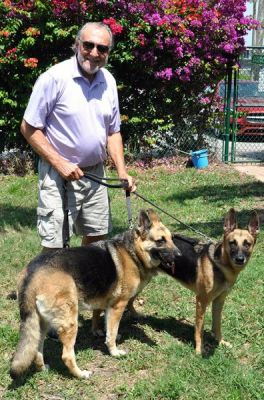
115 27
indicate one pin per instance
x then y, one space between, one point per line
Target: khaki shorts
88 205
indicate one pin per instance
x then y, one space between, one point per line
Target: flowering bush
166 53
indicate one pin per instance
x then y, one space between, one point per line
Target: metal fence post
227 113
234 115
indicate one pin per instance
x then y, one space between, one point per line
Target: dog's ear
253 225
230 222
145 221
152 215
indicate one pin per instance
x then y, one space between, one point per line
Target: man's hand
68 170
44 149
131 183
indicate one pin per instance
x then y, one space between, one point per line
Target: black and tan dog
211 270
102 276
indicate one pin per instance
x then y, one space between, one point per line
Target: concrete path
255 170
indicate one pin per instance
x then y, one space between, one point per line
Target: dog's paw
44 367
85 374
118 353
226 344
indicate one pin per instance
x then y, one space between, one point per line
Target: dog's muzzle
240 259
166 256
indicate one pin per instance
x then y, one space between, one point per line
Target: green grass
161 363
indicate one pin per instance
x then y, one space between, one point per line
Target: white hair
96 25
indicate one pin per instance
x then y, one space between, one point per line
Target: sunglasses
89 46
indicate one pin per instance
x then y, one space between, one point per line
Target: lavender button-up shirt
75 115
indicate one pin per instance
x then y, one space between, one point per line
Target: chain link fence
244 112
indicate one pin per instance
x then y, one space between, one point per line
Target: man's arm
116 152
38 141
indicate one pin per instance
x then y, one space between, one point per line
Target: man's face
93 49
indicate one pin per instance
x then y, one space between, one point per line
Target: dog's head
153 240
239 243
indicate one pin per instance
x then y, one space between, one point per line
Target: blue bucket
200 158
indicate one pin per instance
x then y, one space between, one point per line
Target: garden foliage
167 54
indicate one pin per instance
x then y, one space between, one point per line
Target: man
71 117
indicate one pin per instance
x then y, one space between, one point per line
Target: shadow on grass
22 216
134 328
17 217
182 331
130 328
214 228
220 192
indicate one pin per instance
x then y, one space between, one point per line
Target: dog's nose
240 259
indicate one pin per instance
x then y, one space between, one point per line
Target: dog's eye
160 241
233 243
246 244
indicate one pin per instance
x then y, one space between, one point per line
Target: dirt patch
253 170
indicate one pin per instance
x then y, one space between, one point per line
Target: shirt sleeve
115 122
42 101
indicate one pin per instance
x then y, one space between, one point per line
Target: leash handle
123 183
98 179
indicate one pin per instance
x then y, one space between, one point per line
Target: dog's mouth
239 260
166 257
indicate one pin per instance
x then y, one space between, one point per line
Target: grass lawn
161 363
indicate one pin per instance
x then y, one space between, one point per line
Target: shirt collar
99 76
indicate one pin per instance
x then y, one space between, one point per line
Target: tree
167 54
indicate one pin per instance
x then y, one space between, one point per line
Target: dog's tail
27 346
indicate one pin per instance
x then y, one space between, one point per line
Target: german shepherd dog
102 276
211 270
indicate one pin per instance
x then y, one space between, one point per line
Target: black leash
123 183
171 216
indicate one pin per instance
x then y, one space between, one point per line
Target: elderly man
71 119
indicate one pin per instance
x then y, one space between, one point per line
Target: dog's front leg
113 317
217 308
201 305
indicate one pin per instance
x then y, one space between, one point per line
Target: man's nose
94 52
